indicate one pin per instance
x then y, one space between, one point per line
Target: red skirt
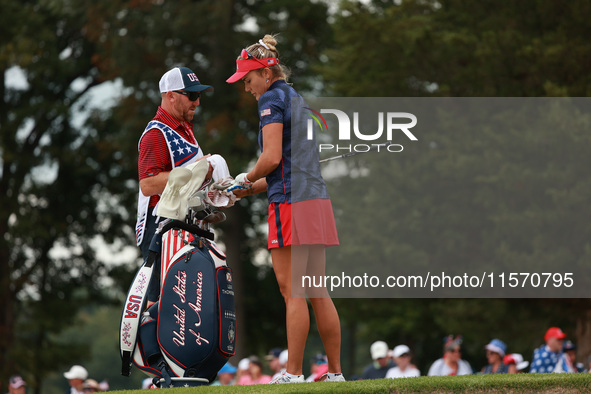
308 222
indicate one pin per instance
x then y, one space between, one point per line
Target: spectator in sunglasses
495 351
451 363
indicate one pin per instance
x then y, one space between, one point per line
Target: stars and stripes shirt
165 144
154 154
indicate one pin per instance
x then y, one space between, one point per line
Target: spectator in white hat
76 377
403 368
381 362
16 385
243 374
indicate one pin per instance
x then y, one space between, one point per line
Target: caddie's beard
189 114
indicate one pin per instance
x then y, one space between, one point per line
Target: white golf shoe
287 378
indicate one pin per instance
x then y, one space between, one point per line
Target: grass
520 383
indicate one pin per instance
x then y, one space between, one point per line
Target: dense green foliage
470 49
470 193
69 162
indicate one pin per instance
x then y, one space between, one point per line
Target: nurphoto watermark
450 197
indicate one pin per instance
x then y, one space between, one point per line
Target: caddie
167 142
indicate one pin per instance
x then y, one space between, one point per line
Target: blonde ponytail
265 48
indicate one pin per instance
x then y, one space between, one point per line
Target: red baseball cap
554 332
246 63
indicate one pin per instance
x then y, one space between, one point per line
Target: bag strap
134 305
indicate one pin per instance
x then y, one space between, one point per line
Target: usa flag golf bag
186 337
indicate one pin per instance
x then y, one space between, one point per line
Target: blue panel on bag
188 329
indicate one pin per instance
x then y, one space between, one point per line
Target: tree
54 183
65 181
455 48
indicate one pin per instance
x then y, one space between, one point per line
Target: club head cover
199 171
171 204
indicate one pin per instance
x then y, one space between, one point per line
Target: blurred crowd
250 370
556 355
78 381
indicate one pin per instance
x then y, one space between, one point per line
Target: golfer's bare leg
296 310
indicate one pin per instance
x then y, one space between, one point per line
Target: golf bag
189 334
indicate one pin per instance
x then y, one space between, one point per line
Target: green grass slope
520 383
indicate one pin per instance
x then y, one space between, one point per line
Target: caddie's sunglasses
191 95
245 55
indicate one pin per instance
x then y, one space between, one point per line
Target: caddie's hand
241 182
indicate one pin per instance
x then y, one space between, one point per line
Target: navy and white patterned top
544 360
301 163
503 368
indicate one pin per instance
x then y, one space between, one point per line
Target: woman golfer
301 222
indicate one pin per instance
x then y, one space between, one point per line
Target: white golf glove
241 182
